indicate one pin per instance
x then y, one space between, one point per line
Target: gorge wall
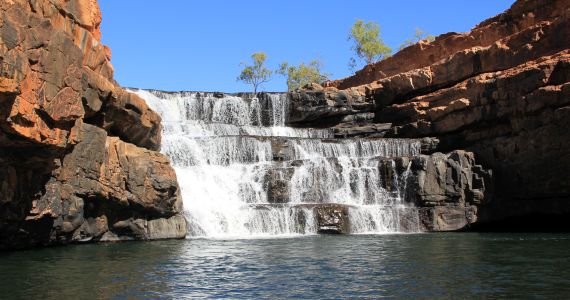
484 115
500 91
78 154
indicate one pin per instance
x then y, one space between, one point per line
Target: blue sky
198 45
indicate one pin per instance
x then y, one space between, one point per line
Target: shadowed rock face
332 219
448 188
77 152
500 91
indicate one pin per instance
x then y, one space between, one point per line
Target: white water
223 152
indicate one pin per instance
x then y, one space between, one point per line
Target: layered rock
77 151
448 188
326 106
521 15
500 91
347 112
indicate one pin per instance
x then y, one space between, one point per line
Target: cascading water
243 173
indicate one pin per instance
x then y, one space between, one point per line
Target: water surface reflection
462 265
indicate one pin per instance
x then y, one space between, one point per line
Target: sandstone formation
500 91
491 108
448 188
491 33
77 152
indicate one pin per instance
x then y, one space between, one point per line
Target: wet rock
429 144
167 228
332 218
447 218
155 229
279 189
97 188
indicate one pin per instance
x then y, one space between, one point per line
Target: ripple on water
458 265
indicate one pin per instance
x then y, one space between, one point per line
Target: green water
452 265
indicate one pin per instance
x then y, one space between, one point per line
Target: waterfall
244 173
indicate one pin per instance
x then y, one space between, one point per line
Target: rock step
201 129
362 130
366 181
336 218
227 150
265 110
376 181
293 196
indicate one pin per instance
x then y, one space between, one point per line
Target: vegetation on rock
303 74
257 73
419 35
368 45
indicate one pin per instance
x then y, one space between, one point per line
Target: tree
419 35
368 45
257 73
303 74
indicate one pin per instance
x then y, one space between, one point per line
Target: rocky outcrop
522 15
447 218
500 91
77 152
455 178
347 112
326 106
448 188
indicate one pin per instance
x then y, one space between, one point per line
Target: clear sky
198 45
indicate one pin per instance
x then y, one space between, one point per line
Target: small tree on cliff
257 73
303 74
368 45
419 35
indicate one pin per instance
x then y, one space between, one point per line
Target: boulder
332 218
447 218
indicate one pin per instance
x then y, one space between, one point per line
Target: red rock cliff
77 152
501 90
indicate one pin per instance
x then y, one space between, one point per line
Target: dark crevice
64 124
533 222
133 108
97 118
329 231
323 122
28 171
454 139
